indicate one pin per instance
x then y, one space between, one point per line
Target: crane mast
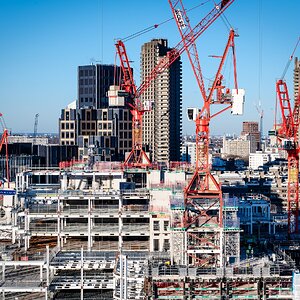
4 140
288 136
203 196
36 119
137 157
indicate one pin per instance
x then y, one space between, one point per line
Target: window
121 126
107 142
83 125
125 115
166 225
125 126
166 245
67 115
88 126
67 135
100 126
72 125
67 125
155 245
109 125
104 115
104 126
62 135
156 225
72 135
88 115
62 125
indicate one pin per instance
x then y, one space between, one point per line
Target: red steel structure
288 136
4 140
203 196
137 157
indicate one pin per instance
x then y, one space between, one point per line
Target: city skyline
45 41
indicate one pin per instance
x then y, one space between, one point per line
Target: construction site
141 230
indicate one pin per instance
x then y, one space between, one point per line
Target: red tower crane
203 197
4 140
137 157
288 136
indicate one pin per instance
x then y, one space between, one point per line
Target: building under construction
140 230
112 233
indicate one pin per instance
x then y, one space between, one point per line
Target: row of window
87 72
67 125
67 135
86 90
67 143
156 225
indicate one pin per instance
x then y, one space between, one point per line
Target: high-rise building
99 126
251 129
93 84
296 77
162 125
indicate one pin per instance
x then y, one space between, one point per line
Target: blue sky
43 42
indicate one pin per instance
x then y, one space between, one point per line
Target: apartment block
163 124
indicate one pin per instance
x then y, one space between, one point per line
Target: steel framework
137 157
4 140
288 136
203 196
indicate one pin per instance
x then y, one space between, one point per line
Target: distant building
162 125
258 159
68 125
188 152
251 129
12 139
236 148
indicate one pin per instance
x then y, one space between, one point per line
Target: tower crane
4 140
36 119
288 134
261 117
137 157
203 194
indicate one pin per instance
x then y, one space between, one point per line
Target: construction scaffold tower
203 203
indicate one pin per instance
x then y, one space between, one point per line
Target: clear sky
43 41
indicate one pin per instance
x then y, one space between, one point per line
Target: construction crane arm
188 39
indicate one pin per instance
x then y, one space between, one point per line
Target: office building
162 125
93 84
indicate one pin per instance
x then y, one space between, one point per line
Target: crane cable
150 28
290 59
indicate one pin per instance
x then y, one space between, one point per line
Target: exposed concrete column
120 223
3 271
26 233
58 223
81 275
251 220
47 265
89 225
27 181
41 273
